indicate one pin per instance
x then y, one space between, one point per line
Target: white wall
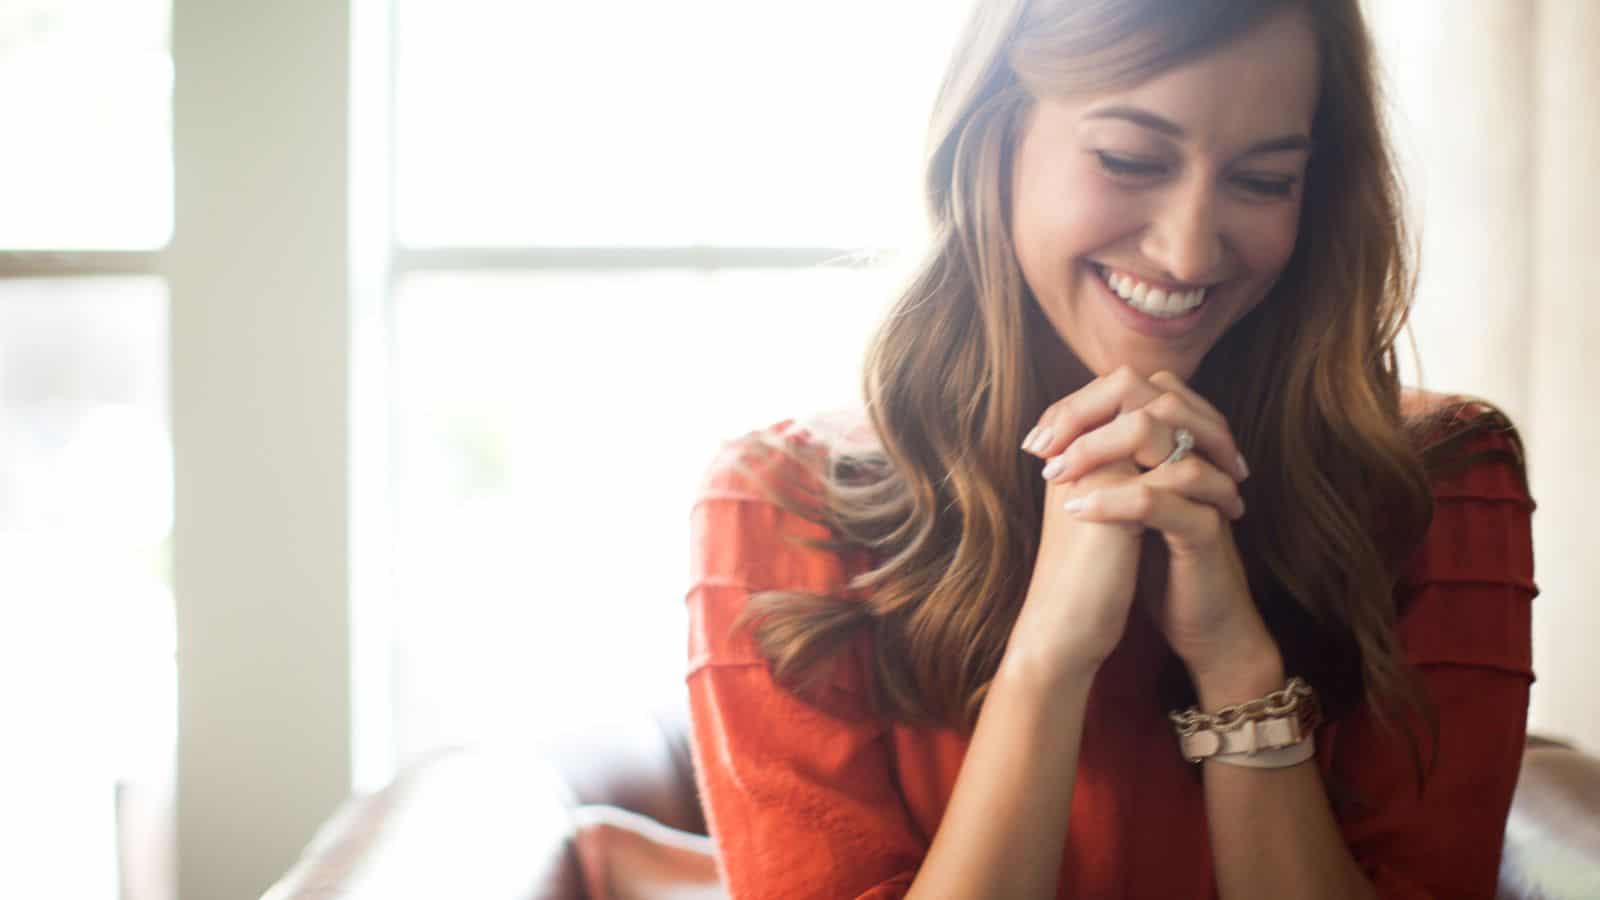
1564 432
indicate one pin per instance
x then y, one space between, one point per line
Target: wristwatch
1266 743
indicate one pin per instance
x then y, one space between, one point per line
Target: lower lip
1148 325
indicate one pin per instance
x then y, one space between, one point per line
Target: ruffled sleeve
799 797
1466 626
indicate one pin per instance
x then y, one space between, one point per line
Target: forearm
1004 830
1273 833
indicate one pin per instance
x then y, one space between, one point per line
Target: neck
1058 370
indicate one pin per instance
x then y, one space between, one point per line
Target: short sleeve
800 797
1466 626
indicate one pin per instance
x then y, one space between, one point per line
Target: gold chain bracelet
1296 698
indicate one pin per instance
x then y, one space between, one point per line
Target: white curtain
1496 118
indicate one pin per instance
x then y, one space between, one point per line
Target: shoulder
760 517
1467 589
1470 447
784 459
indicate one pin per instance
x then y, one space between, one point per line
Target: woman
1169 262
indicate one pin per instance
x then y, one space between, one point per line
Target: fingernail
1053 468
1076 505
1041 441
1243 468
1027 442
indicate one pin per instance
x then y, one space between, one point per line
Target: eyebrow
1146 119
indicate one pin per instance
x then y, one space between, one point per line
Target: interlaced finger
1198 480
1095 404
1147 436
1137 435
1105 400
1197 401
1138 502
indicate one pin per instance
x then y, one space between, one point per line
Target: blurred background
343 343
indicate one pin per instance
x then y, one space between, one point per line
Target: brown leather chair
538 823
1552 848
612 813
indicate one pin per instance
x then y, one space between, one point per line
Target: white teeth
1154 301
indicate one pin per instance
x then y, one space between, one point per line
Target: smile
1152 301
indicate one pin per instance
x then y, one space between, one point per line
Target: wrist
1272 731
1033 678
1240 678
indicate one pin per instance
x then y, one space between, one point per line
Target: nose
1184 237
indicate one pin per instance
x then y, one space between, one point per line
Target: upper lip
1168 286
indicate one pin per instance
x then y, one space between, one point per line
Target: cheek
1101 214
1268 240
1065 212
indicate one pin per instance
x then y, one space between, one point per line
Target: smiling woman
1168 261
1148 221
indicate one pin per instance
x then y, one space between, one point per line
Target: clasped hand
1105 447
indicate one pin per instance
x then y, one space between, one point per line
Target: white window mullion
260 315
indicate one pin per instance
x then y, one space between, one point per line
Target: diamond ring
1185 440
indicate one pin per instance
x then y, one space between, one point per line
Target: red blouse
807 803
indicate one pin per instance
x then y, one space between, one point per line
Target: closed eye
1129 167
1267 186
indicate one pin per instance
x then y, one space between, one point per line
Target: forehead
1263 84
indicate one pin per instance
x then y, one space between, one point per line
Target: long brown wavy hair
950 509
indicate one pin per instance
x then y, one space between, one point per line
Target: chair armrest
461 823
627 856
500 824
1552 846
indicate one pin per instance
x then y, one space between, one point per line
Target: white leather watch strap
1251 738
1292 755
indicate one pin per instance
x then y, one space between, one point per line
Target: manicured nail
1242 467
1027 442
1041 441
1076 505
1054 467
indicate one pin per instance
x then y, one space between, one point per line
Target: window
78 77
86 629
616 247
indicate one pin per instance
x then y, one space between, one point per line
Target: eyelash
1267 187
1124 167
1121 165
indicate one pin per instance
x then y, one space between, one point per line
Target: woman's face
1149 220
